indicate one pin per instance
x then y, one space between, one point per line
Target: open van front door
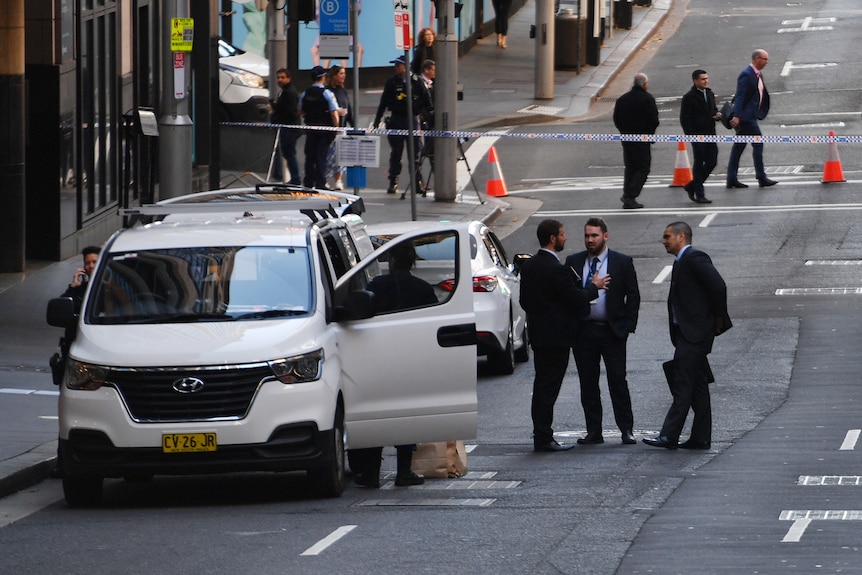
409 370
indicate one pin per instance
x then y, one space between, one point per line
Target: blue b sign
334 17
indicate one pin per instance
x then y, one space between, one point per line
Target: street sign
334 47
179 75
182 34
403 37
334 17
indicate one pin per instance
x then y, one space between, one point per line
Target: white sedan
500 321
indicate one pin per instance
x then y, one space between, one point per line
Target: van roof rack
261 198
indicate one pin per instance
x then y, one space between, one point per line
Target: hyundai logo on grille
188 385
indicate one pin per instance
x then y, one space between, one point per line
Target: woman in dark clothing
501 20
335 81
424 50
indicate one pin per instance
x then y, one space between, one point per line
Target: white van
239 335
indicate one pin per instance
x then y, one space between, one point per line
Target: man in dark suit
750 104
636 113
697 313
602 334
553 300
698 115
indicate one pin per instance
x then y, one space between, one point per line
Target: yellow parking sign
182 34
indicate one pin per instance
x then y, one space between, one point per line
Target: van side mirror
61 312
518 262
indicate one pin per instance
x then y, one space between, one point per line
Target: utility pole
175 124
544 88
445 103
276 44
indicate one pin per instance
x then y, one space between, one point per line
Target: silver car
500 321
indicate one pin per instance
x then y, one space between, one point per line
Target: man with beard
553 298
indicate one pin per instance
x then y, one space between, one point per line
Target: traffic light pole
175 124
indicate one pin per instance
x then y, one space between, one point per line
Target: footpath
498 91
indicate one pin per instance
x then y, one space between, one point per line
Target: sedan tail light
484 284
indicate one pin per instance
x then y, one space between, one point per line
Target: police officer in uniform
319 108
394 98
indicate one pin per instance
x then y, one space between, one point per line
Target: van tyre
329 479
82 491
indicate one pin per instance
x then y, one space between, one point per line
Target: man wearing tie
750 104
602 334
553 300
697 313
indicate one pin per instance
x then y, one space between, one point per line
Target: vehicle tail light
480 284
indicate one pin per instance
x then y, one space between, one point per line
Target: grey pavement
499 89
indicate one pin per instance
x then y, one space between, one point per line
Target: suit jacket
747 105
553 300
696 114
698 295
636 112
623 298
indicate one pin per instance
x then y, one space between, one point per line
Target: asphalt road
775 494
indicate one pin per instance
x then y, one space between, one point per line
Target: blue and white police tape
669 138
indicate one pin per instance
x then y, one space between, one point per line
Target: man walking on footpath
603 333
698 115
697 313
636 113
553 298
750 104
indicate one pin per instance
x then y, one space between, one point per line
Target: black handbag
727 113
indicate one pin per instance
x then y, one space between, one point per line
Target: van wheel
329 480
82 491
503 362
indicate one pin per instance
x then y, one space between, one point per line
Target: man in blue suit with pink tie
751 104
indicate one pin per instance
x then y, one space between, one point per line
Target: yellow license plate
188 442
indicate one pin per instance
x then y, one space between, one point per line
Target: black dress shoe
591 439
408 479
660 441
690 190
703 200
630 203
371 480
766 182
694 445
736 184
552 446
628 438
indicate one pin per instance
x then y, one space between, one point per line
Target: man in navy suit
697 313
603 332
554 301
750 104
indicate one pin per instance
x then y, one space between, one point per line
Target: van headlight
298 369
244 78
84 376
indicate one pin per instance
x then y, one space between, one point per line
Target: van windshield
201 284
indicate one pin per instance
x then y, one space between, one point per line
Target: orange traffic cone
832 171
496 185
682 170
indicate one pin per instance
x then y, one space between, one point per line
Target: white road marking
805 25
12 391
794 534
789 65
829 480
850 440
327 541
663 274
707 220
802 517
25 503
